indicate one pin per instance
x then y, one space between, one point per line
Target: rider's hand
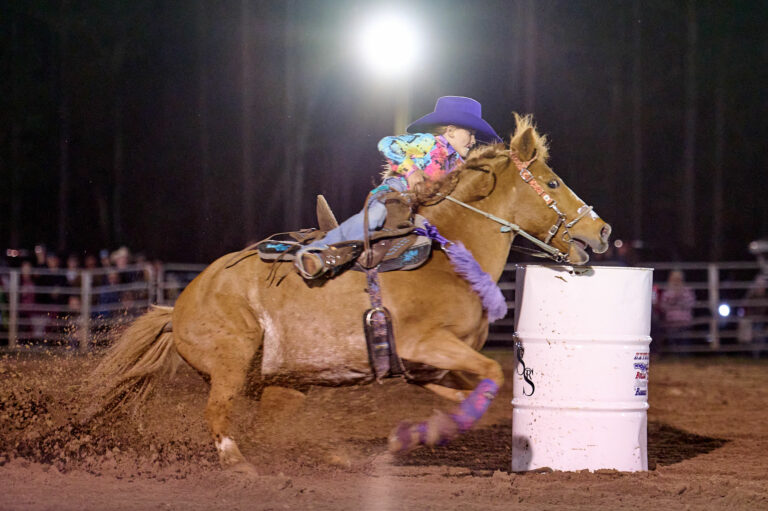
414 178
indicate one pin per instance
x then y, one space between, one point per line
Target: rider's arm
408 154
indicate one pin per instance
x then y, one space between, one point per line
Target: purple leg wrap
471 409
421 427
441 428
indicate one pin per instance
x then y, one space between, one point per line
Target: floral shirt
406 154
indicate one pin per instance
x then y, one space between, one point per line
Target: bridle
527 176
546 248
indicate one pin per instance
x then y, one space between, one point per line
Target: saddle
392 247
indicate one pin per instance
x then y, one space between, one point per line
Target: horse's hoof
404 438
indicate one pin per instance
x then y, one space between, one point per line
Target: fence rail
77 308
80 309
741 326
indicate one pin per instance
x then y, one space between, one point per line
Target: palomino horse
235 316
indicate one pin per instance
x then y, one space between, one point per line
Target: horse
242 312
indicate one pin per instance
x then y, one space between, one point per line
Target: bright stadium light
389 45
724 310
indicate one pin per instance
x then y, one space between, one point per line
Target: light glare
389 45
724 310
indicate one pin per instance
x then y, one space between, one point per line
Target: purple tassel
465 265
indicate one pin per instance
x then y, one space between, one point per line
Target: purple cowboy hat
459 111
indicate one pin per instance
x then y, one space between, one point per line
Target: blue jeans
352 227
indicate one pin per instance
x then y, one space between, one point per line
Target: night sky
134 122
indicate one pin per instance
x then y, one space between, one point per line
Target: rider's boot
314 262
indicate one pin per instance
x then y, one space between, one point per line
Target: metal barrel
580 390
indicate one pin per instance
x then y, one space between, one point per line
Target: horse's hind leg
228 374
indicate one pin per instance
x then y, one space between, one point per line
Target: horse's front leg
444 350
454 386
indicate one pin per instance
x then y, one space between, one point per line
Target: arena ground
708 439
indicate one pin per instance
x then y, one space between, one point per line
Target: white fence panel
109 297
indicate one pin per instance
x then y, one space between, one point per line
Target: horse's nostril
605 232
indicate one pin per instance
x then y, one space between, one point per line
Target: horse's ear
525 145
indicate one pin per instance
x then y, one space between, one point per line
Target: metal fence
729 311
80 309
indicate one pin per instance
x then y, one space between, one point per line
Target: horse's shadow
490 449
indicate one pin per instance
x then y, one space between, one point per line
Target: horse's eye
553 184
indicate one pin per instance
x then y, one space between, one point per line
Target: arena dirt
707 436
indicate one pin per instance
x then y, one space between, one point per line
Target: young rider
437 144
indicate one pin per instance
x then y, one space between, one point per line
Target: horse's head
518 186
546 207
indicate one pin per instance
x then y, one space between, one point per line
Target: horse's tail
131 368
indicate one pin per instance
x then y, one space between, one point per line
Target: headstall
547 250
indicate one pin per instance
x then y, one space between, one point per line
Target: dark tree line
186 129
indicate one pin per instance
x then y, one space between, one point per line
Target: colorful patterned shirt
406 154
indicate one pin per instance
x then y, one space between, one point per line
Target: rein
546 249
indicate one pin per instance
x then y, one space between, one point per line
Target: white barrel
580 393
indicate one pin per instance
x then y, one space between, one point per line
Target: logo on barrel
640 368
525 372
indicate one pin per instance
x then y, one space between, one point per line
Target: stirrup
310 263
329 261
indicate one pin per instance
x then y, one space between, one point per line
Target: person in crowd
676 307
121 260
757 307
73 270
91 263
41 256
111 297
104 258
55 279
436 144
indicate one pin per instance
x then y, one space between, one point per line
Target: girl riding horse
437 144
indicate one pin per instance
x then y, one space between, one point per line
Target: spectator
54 279
111 296
41 255
73 270
757 306
91 263
676 307
104 258
121 258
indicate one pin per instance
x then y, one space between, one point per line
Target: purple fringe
465 265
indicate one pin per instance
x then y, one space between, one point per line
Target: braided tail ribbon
441 428
465 265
